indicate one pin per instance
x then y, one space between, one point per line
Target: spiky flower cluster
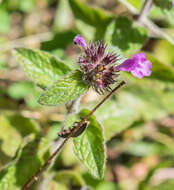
97 65
100 68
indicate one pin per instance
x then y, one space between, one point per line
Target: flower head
100 68
139 66
173 2
97 65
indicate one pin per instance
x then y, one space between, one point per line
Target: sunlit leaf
10 138
27 161
128 37
62 19
118 114
20 89
90 15
89 147
4 21
43 68
64 90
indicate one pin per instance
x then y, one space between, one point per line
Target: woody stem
35 176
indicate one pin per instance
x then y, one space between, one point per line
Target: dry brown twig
50 159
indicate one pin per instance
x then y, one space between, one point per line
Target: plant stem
153 30
35 176
145 9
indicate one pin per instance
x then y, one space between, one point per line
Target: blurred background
138 120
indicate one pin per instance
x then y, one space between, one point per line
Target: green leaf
43 68
86 30
27 162
118 114
93 19
161 71
64 90
168 100
10 138
67 155
27 5
90 15
109 32
59 40
107 185
164 185
25 90
24 125
141 148
19 90
136 3
71 179
149 98
163 50
13 128
167 4
90 148
20 5
62 19
127 37
163 11
168 15
90 180
4 21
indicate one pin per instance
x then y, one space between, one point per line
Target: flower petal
139 57
80 41
146 68
127 65
139 66
137 73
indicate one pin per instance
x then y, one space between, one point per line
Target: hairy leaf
13 128
64 90
89 147
28 161
43 68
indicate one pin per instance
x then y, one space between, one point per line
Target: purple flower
78 40
97 65
139 66
173 2
100 68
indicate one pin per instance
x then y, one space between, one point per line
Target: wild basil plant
98 68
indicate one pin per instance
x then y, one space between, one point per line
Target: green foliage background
136 124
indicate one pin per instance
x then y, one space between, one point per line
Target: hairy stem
71 107
145 9
35 176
